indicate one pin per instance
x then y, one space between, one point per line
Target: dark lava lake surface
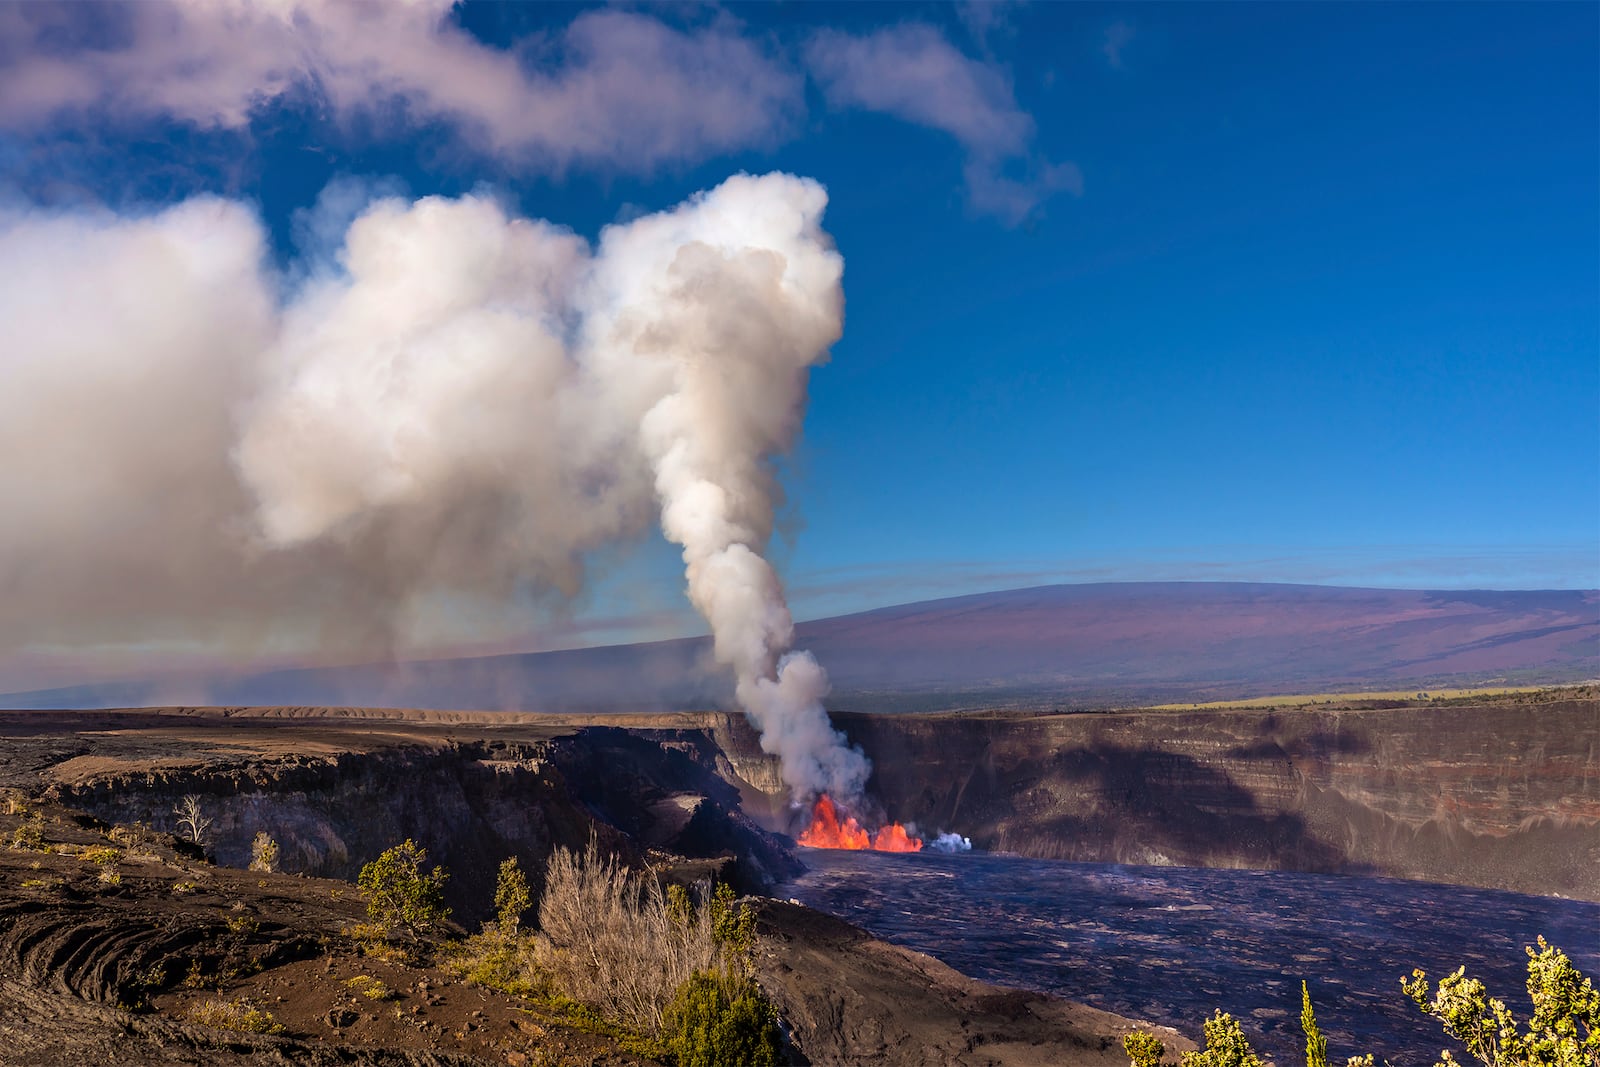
1170 944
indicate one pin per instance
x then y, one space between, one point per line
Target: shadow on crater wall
1500 796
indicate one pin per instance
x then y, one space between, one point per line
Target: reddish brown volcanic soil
102 962
75 952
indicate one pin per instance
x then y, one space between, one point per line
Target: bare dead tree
191 821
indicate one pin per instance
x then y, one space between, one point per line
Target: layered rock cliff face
470 803
1500 795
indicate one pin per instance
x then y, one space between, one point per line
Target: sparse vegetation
102 855
511 898
242 1015
1564 1030
657 969
722 1020
495 961
399 895
1144 1049
192 822
501 956
1226 1045
137 840
609 939
29 837
370 987
263 853
242 923
1413 695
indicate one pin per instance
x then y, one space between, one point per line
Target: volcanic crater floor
111 948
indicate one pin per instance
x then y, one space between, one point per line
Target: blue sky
1281 292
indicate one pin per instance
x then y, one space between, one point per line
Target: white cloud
985 19
612 89
1118 36
913 73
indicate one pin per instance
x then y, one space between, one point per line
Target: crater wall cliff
469 803
1500 795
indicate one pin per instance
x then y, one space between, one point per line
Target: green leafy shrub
733 926
1563 1032
511 897
1316 1043
1226 1045
718 1021
1144 1049
501 956
399 895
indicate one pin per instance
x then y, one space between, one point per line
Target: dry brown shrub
611 939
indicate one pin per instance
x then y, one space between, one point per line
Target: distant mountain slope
1185 640
1082 644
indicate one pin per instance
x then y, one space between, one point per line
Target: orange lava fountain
827 831
893 838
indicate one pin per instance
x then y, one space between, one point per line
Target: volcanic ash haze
438 423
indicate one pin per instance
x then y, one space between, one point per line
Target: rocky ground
104 957
852 999
119 943
111 947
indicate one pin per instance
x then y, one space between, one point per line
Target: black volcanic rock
851 999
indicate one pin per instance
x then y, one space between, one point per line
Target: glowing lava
893 838
827 831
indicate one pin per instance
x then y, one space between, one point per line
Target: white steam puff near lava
441 418
951 843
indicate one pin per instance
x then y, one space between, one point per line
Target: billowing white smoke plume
735 299
445 424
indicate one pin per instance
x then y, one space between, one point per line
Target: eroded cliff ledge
335 789
1500 795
